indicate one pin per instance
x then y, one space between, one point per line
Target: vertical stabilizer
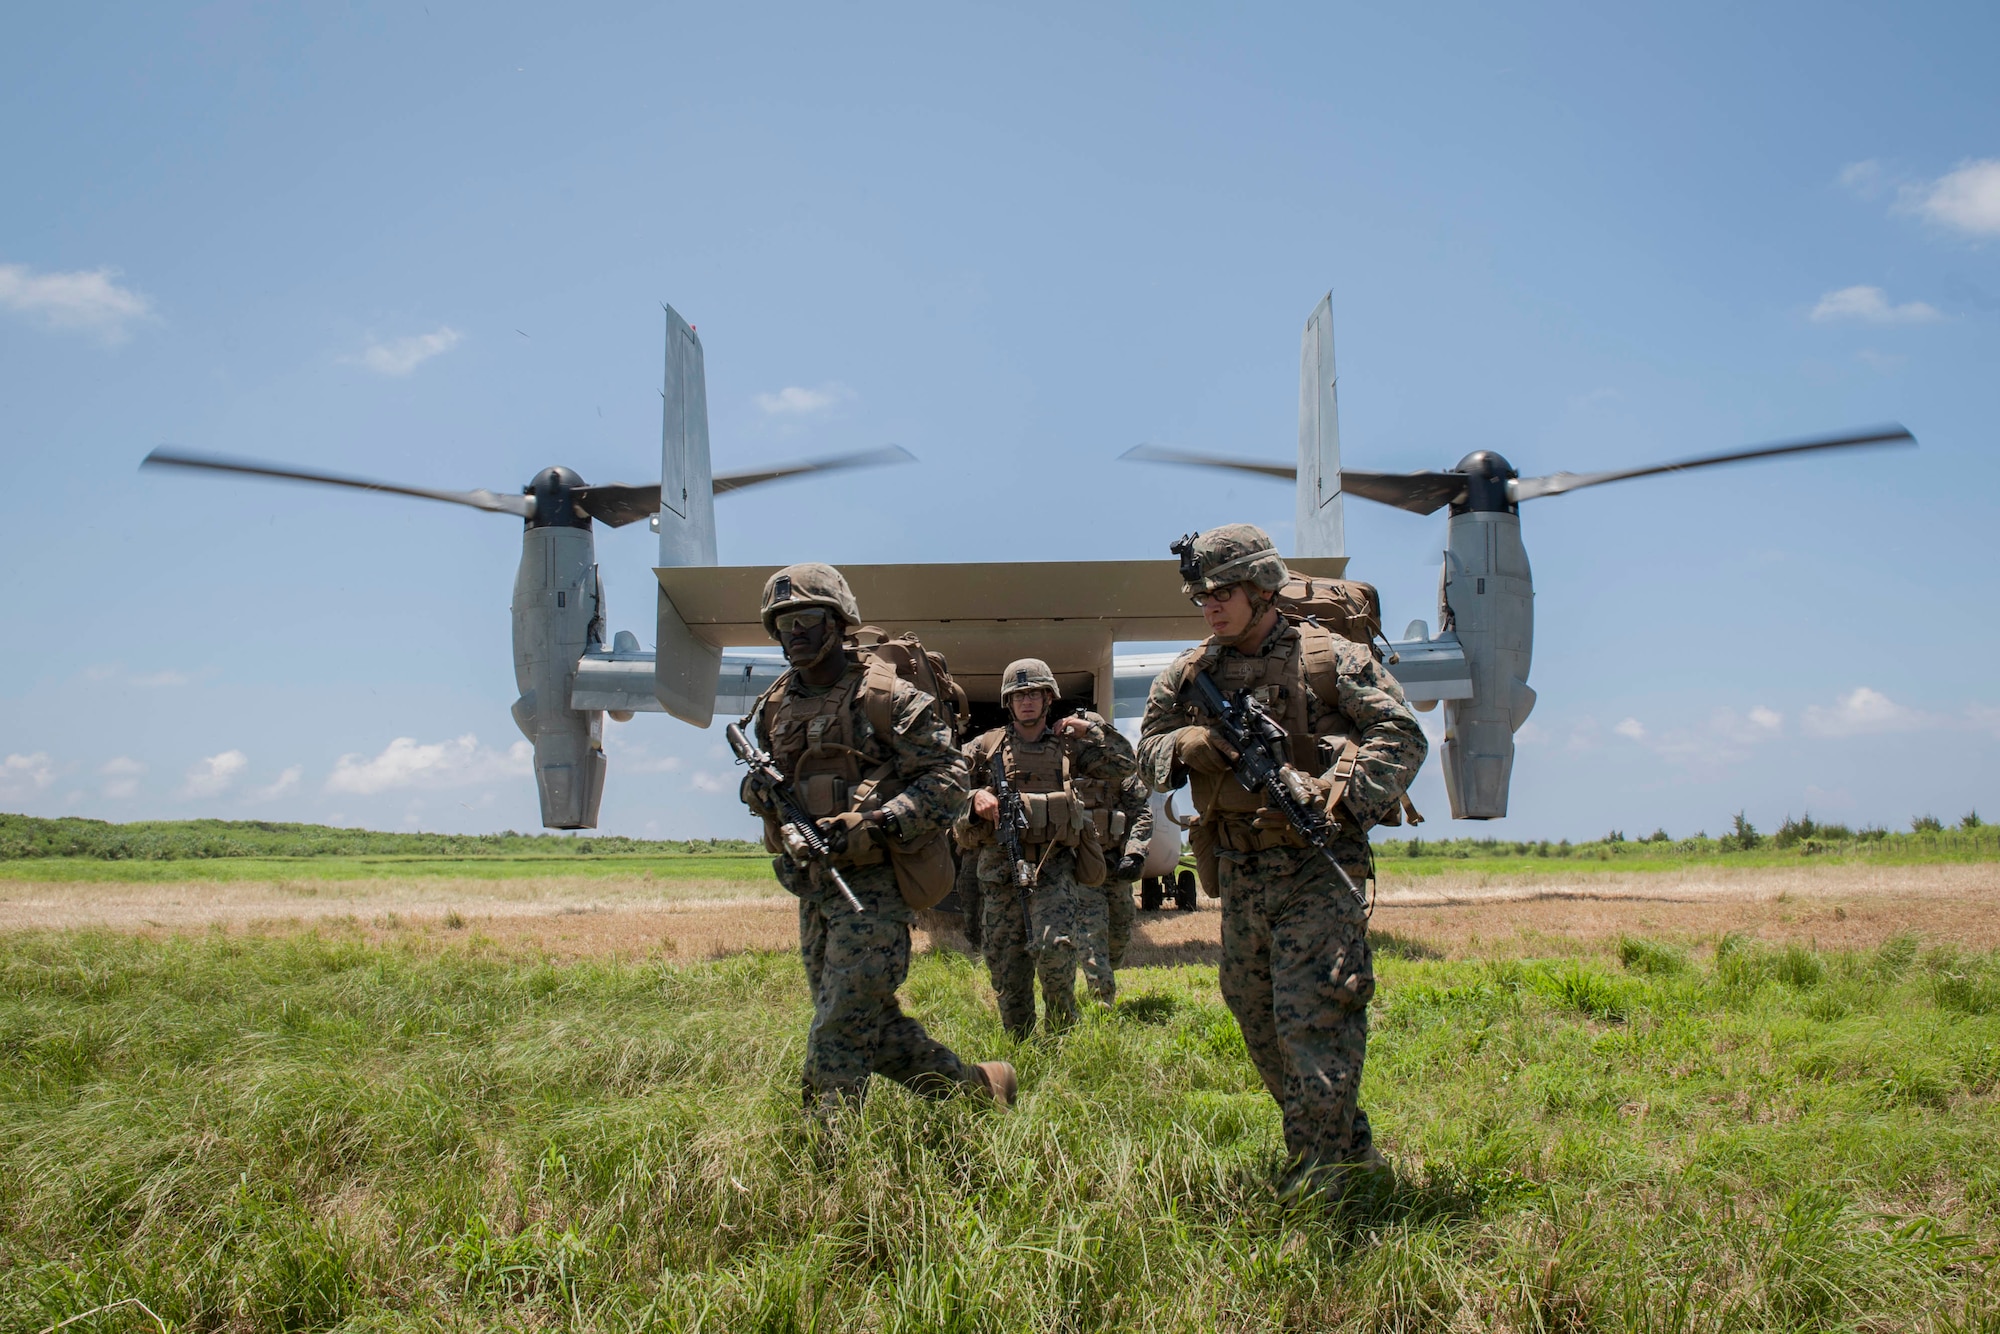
1321 531
685 670
687 482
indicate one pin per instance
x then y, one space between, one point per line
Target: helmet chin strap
1261 602
836 640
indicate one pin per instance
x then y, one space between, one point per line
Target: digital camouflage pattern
1041 934
854 964
919 744
1045 933
810 584
1135 800
1236 553
1369 708
856 961
1297 970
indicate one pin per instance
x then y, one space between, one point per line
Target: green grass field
745 867
160 852
313 1132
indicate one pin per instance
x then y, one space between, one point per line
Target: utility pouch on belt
1091 868
925 870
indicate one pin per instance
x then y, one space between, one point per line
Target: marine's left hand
1074 725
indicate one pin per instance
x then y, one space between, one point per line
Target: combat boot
1366 1174
1001 1085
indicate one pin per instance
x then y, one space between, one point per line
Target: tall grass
317 1133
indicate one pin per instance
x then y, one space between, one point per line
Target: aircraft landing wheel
1186 887
1151 893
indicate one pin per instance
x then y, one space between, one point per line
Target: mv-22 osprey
1072 614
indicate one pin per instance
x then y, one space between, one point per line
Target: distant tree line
1803 835
24 836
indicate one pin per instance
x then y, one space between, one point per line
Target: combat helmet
1026 674
1236 553
808 585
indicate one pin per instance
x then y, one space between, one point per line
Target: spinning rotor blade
1555 484
1284 472
866 458
1417 492
167 457
616 504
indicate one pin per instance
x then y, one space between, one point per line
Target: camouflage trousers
854 963
1043 933
970 897
1119 908
1298 973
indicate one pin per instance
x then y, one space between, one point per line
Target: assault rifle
1013 820
805 845
1260 767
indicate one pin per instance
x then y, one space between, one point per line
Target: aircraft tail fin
1321 526
685 669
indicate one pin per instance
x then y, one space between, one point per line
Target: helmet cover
808 585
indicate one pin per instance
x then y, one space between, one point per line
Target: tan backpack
927 671
1349 608
925 869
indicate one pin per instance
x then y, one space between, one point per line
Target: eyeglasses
790 621
1217 596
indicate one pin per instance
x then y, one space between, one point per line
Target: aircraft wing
980 616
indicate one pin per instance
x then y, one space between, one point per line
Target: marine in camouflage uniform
1125 856
1042 932
869 787
1297 970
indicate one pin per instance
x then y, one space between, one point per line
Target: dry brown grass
1834 907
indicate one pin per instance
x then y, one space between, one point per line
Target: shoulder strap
1203 657
1320 655
773 696
878 695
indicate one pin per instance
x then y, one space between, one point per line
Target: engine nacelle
558 616
1488 596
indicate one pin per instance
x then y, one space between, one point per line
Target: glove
1202 750
1310 791
850 833
1129 866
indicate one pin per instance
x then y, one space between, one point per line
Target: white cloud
284 783
1724 738
22 774
1861 711
158 679
121 776
1864 178
213 775
1967 199
400 356
1985 717
706 782
403 763
1871 305
87 300
797 401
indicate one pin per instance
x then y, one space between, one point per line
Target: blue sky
428 241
